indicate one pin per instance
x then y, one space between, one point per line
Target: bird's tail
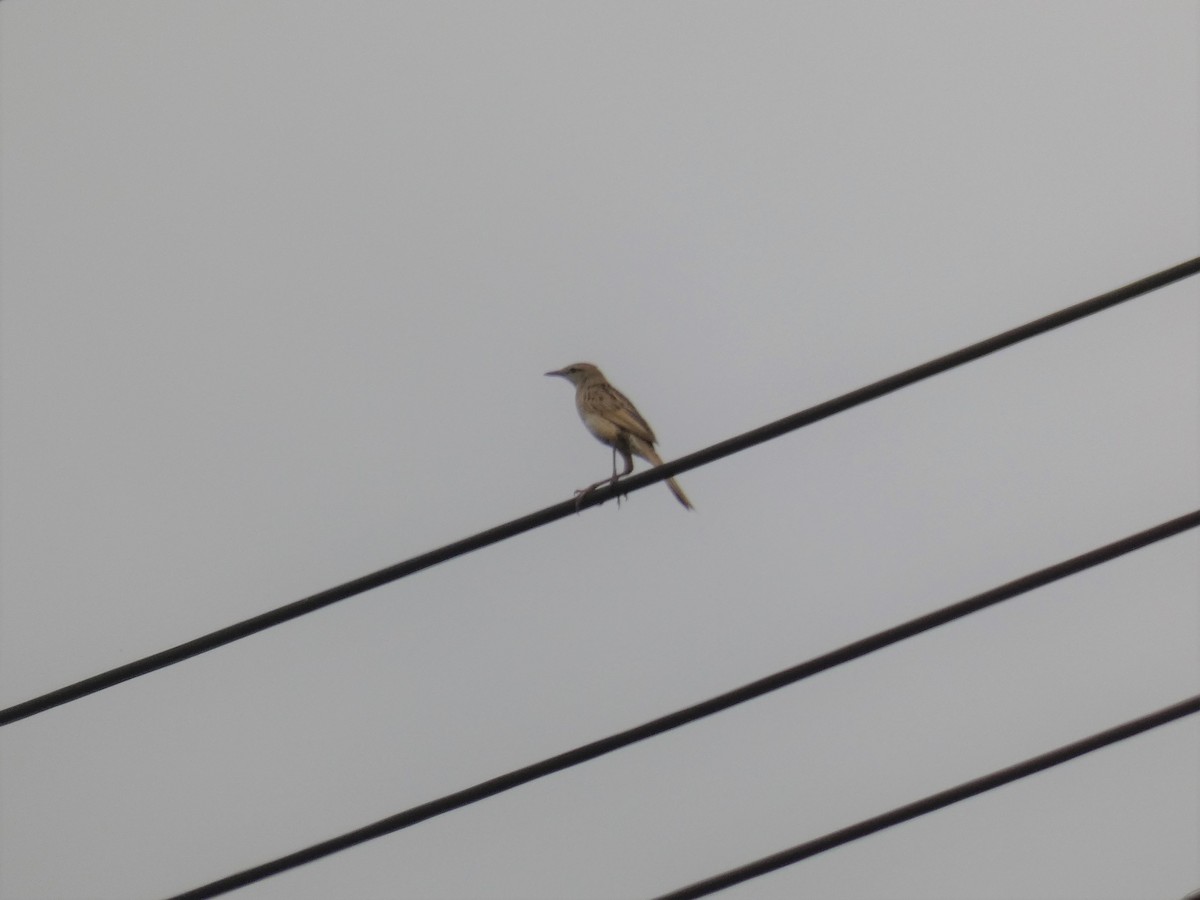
679 494
647 452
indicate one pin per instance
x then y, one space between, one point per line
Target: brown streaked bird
615 421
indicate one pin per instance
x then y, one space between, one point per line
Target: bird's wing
615 406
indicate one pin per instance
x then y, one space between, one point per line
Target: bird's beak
557 372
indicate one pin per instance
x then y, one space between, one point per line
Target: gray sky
279 284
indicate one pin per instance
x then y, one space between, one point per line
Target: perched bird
615 421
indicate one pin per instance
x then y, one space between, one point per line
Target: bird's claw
583 492
613 484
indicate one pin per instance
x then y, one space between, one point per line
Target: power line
934 802
658 726
635 482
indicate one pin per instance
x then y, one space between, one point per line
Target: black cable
297 608
934 802
708 707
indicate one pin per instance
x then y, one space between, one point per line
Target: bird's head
577 373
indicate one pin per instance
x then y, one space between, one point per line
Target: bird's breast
603 430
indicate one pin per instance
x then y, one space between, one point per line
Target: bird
614 421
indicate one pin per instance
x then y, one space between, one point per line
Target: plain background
279 283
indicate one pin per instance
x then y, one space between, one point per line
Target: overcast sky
279 283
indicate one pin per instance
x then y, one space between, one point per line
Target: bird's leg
580 494
615 476
611 481
628 464
583 492
628 468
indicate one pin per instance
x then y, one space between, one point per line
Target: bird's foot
582 493
613 484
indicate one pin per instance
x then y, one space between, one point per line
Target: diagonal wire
872 391
935 802
658 726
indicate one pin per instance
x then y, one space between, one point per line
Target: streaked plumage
615 421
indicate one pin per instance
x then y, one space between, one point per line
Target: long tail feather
679 494
648 453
